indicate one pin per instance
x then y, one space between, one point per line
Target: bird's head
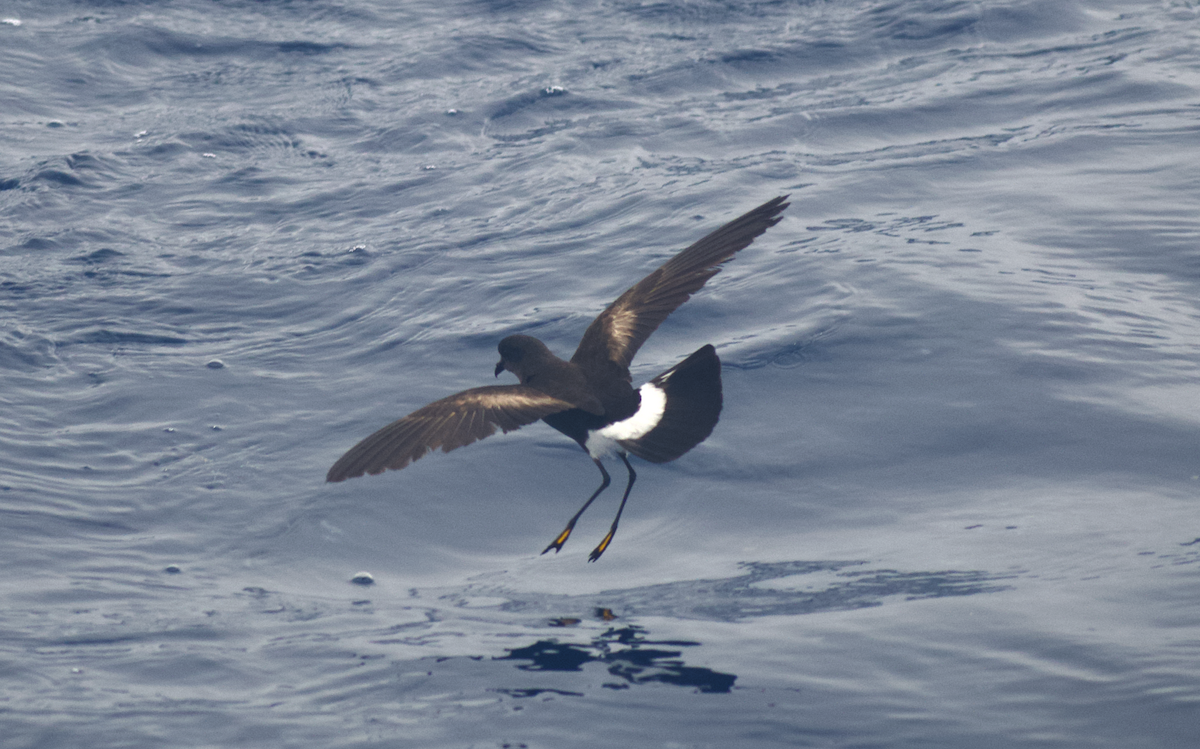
522 355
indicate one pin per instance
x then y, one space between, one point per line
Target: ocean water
954 497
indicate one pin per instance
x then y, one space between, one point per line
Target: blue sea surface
954 496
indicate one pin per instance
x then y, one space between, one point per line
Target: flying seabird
590 398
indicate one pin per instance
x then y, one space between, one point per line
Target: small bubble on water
215 364
172 569
363 578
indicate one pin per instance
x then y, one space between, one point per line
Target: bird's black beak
499 367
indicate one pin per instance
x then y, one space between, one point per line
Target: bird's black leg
557 543
596 552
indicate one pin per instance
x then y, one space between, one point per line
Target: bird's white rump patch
603 441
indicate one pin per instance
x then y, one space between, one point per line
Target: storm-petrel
589 398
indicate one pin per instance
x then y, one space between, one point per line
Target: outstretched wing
451 422
620 330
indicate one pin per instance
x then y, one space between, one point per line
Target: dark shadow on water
762 589
629 656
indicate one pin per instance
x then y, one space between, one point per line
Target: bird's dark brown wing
451 422
622 328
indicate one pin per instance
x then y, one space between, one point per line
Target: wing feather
449 423
621 329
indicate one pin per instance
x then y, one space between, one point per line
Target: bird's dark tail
693 405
